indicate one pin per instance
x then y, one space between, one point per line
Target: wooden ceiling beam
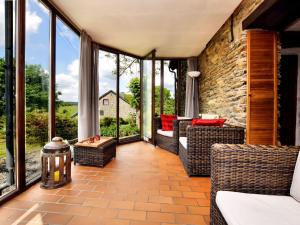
290 39
275 15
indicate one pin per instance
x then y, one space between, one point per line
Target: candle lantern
56 164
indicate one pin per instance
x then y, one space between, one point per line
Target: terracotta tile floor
143 186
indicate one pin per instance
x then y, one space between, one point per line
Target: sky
37 47
67 54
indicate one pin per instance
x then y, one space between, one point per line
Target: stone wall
223 69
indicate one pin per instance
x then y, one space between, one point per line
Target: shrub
107 121
128 127
123 121
36 127
2 127
109 131
66 127
128 130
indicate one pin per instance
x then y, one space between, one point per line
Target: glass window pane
7 98
67 79
157 87
147 99
169 90
108 94
37 85
129 101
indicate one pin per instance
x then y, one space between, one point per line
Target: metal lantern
56 164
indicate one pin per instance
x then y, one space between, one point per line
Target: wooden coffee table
98 153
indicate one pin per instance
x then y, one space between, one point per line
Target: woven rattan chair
250 169
168 143
196 155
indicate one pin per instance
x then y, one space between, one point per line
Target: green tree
128 97
134 97
126 63
135 89
37 84
37 88
2 87
169 101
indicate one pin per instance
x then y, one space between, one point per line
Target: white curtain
192 89
88 116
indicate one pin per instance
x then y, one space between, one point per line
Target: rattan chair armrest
176 129
183 124
252 169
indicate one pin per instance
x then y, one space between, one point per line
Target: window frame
105 101
20 14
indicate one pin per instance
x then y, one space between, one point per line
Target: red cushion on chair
222 121
167 121
208 122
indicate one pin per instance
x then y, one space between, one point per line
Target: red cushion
208 122
167 122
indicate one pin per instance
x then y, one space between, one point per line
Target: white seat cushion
165 133
183 118
253 209
295 187
183 141
209 116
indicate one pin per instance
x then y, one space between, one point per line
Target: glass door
36 87
108 94
148 74
129 99
7 98
147 99
126 96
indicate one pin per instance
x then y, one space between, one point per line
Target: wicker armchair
196 155
250 169
168 143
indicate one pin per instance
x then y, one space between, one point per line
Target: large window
158 76
7 99
119 96
147 99
36 85
36 81
67 79
164 79
169 90
129 100
108 93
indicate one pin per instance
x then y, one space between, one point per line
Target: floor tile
190 219
147 206
186 201
173 208
53 218
132 215
160 217
199 210
145 185
121 204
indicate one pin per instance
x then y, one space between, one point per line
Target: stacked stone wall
223 66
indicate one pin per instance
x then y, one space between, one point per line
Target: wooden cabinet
262 76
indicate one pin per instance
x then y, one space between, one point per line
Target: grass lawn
29 148
67 110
